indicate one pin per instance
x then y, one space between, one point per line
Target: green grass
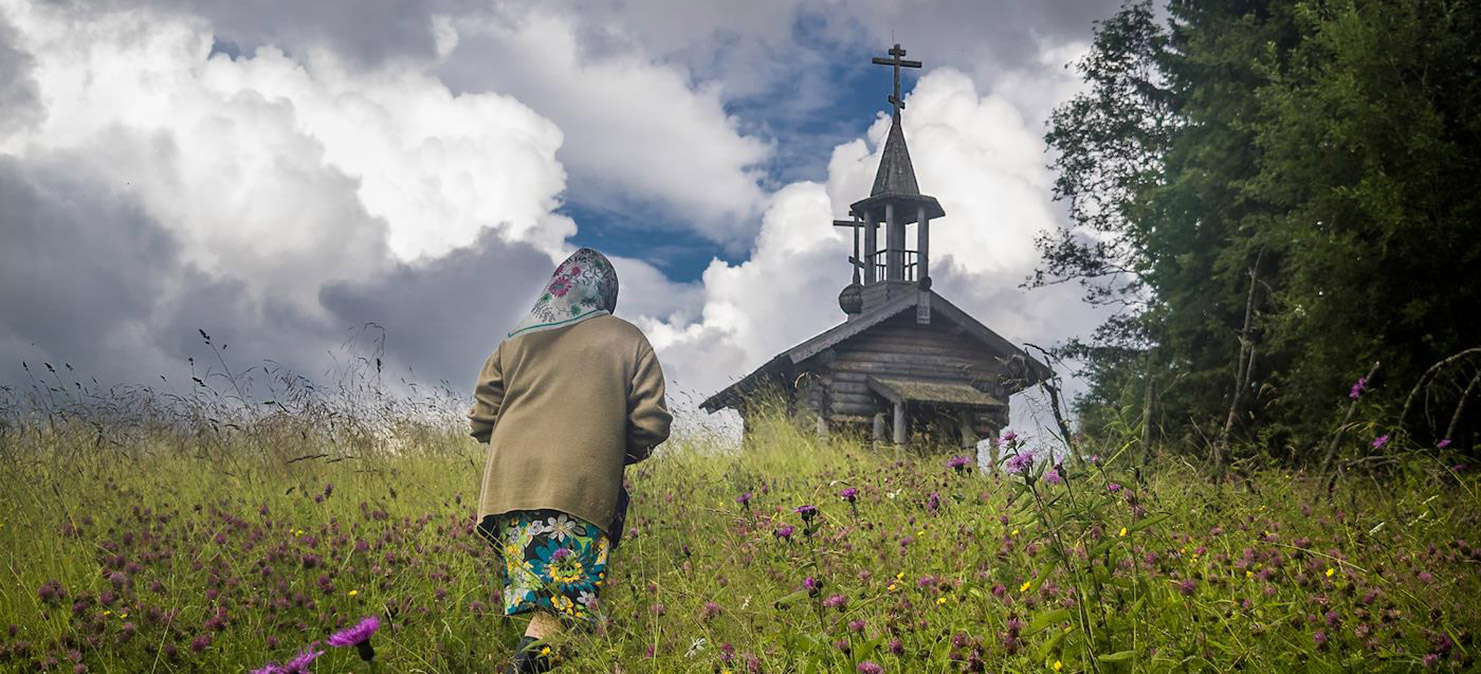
1268 573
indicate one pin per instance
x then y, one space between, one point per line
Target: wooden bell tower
884 271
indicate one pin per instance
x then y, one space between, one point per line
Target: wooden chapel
905 362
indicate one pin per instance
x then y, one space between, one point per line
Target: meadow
198 543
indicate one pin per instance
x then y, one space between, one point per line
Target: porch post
900 423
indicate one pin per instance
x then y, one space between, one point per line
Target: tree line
1281 200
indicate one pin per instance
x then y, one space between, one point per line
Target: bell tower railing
909 264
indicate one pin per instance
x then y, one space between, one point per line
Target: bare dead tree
1243 366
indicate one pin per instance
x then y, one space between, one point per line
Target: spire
896 175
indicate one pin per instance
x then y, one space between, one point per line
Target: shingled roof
896 175
895 182
939 306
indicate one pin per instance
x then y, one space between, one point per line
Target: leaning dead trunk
1243 367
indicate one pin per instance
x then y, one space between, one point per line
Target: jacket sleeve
488 397
648 416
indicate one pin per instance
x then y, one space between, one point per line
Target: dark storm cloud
368 32
78 263
442 318
18 104
87 278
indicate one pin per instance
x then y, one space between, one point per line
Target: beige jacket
561 409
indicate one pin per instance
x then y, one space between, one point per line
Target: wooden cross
897 62
854 260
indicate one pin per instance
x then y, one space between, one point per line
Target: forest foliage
1279 198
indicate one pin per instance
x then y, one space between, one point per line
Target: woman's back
562 410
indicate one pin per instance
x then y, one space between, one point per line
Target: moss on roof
932 391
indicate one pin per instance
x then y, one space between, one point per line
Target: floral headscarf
584 286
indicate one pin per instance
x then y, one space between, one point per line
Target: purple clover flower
870 667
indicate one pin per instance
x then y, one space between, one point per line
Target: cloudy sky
281 173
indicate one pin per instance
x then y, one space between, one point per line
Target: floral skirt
550 560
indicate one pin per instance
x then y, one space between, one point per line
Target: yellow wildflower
1331 571
891 588
1123 531
1058 665
1026 585
1015 532
941 600
354 592
900 576
1249 574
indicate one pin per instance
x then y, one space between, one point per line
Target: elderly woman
570 397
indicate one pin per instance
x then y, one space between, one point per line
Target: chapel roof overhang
787 360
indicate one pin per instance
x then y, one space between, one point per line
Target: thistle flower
1021 462
358 636
1053 476
813 586
958 463
870 667
270 668
300 664
785 531
807 512
1380 441
744 500
1443 444
1010 436
1357 388
837 601
849 494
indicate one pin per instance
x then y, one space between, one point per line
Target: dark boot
527 658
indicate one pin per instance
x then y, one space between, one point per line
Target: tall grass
207 533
